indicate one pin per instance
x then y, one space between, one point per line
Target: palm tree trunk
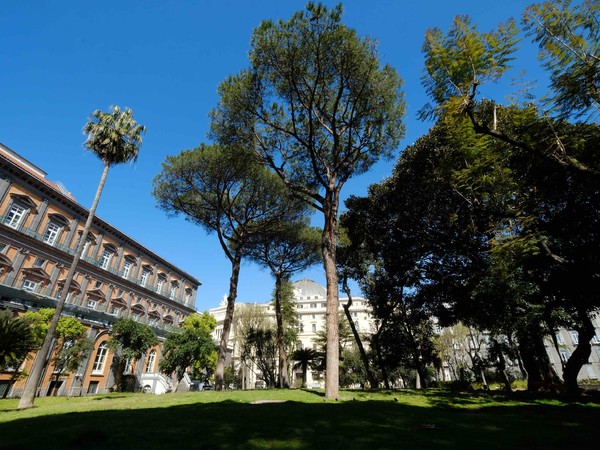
35 375
233 282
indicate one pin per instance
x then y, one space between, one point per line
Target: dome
306 288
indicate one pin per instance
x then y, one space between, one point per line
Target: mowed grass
299 419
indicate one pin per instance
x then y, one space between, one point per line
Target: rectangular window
93 387
114 311
128 367
314 327
92 304
39 262
159 285
86 247
595 340
15 216
564 355
98 285
144 278
105 259
173 292
126 268
3 247
560 339
51 233
151 361
59 293
574 337
100 360
29 286
313 305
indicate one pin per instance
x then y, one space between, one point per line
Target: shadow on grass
347 425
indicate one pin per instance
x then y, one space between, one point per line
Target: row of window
102 355
22 205
574 338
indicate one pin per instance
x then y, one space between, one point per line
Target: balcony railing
96 263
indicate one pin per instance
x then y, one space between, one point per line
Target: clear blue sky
61 60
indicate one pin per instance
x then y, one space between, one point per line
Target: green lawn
360 420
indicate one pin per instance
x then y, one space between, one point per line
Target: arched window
151 361
100 360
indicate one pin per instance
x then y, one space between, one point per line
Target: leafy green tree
16 340
225 191
71 349
569 40
290 248
352 368
71 344
554 162
458 63
39 321
257 341
353 263
115 137
317 107
306 358
129 340
192 347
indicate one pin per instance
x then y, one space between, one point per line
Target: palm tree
16 340
305 358
115 138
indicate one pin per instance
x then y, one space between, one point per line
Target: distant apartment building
309 299
40 227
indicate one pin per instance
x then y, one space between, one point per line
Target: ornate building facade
309 300
40 227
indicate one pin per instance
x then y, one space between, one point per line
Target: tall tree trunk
540 373
377 345
282 381
581 353
357 339
501 367
332 358
233 283
35 375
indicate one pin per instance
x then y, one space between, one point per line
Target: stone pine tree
225 191
292 247
317 107
115 138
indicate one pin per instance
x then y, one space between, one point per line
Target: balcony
94 262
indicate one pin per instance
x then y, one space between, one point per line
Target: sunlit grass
300 419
